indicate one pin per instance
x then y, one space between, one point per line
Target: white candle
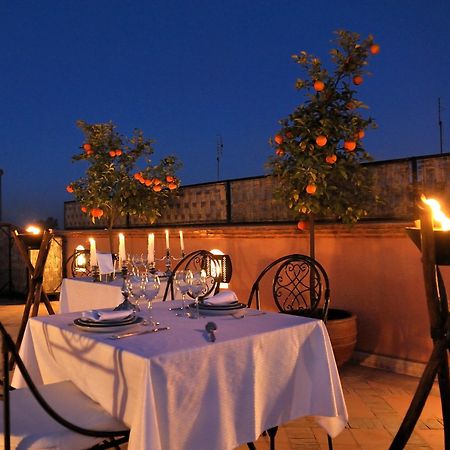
151 248
93 252
181 242
167 240
122 253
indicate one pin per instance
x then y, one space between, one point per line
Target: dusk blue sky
187 71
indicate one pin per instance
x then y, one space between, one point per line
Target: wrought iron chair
195 261
30 421
300 286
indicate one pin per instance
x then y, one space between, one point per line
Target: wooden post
438 314
36 293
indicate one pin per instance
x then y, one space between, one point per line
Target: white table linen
176 390
81 294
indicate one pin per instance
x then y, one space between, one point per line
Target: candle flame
438 215
33 230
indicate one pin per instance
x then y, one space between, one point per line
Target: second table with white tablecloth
80 294
177 390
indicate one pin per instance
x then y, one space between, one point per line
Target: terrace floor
376 400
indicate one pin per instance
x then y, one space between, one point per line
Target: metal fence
398 183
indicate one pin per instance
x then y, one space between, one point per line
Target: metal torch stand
440 334
36 293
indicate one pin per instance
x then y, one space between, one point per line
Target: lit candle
181 242
167 240
93 251
151 248
122 253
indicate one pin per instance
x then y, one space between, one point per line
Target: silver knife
135 333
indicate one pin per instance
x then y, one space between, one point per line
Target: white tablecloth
176 390
81 294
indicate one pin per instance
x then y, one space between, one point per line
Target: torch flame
33 230
438 214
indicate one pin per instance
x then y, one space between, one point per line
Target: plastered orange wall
374 269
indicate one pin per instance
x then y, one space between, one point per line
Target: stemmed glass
181 282
136 286
151 287
197 283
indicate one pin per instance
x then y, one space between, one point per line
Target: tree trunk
312 244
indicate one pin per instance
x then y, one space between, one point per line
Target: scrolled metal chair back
300 286
196 261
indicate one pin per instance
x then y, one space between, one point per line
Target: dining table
179 389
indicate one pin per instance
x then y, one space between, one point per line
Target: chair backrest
10 349
300 286
196 261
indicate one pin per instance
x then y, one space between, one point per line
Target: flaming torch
441 231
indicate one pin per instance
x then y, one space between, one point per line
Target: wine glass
136 286
181 282
151 287
197 283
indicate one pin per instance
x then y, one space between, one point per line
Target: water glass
151 288
181 282
197 282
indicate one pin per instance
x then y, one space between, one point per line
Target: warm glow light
216 269
438 215
80 260
33 230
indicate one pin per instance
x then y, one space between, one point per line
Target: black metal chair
196 261
300 286
30 418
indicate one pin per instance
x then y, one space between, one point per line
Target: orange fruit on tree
169 178
374 49
157 187
331 159
279 151
357 79
289 134
319 85
172 186
142 180
87 147
137 175
278 139
148 182
302 225
311 189
360 134
156 181
118 152
349 145
321 140
83 209
112 153
69 189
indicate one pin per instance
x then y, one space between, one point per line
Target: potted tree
319 148
120 178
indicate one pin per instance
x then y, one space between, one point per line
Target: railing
398 183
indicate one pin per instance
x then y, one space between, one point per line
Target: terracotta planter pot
342 329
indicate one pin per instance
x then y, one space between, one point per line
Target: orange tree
319 148
120 178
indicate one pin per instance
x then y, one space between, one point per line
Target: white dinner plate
216 311
104 328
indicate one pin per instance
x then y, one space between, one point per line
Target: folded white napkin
105 263
99 315
222 298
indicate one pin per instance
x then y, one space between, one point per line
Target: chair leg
272 432
330 442
251 446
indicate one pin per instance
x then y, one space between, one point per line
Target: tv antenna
219 154
440 124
